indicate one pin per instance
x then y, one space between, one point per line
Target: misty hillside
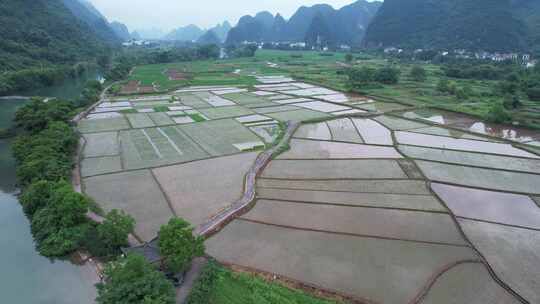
87 13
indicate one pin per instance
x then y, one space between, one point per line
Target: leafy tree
114 230
133 280
387 75
210 51
43 165
61 225
442 85
498 114
36 115
468 90
461 94
349 58
452 88
45 155
418 74
359 77
178 245
36 196
511 102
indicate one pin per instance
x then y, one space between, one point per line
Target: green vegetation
418 73
197 117
466 86
114 230
450 24
218 285
178 246
44 154
42 44
133 280
364 76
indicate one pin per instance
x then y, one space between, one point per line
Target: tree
178 246
418 74
36 196
498 114
114 230
349 58
359 77
133 280
36 115
442 85
387 75
61 225
461 94
511 102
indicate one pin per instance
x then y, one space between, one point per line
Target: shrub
418 74
534 93
203 287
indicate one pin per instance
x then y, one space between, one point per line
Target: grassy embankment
219 285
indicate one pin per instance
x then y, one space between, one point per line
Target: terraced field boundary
239 207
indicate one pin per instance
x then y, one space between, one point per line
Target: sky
169 14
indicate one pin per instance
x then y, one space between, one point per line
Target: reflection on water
69 89
27 277
470 123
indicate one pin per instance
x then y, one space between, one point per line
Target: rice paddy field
325 69
375 201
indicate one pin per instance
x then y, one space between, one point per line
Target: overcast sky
168 14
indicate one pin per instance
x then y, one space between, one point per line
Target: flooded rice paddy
374 206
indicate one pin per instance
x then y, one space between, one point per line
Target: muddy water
466 122
506 208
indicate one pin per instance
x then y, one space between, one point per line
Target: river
26 277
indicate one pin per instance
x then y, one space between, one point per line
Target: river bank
28 277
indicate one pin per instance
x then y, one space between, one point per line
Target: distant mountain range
186 33
346 25
210 37
148 33
194 33
491 25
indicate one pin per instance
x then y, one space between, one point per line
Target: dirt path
191 277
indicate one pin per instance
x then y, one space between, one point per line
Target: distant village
524 58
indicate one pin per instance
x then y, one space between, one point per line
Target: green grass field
218 285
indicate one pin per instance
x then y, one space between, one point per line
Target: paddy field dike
371 200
